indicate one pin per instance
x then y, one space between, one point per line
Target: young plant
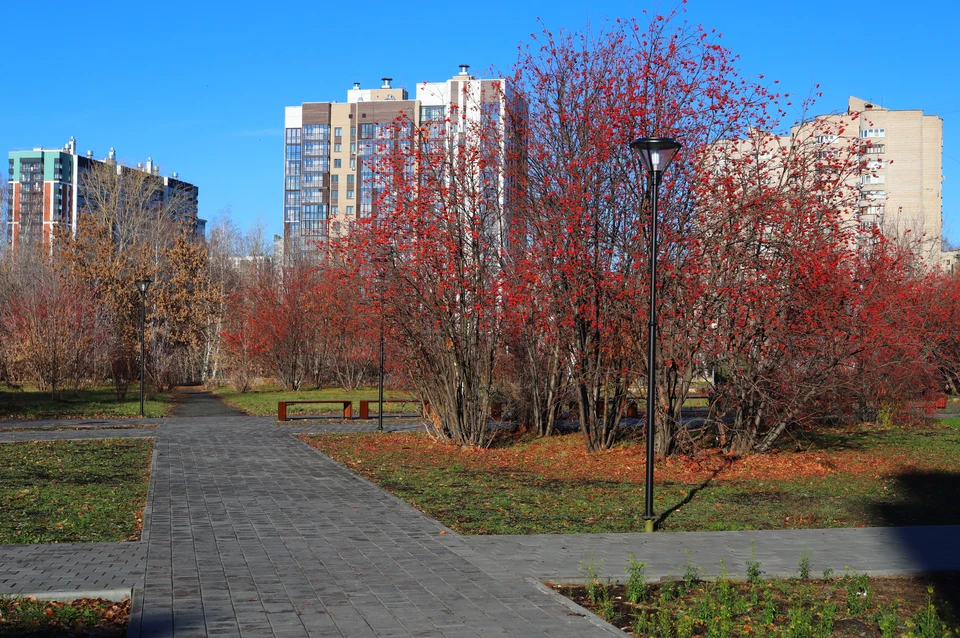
589 570
927 622
753 565
769 609
691 572
824 628
804 564
637 588
799 621
888 621
859 594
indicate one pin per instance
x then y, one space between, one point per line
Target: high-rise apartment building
901 172
896 162
330 148
45 193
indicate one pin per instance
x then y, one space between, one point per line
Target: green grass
22 617
97 403
263 402
73 491
553 486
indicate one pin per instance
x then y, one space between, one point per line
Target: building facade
45 193
331 148
901 172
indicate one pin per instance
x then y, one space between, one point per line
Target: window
312 196
428 113
350 179
337 147
353 163
315 149
349 211
871 179
293 152
334 195
334 179
353 131
292 183
338 131
316 165
826 139
872 132
366 131
336 163
316 132
875 195
293 136
313 180
349 193
875 149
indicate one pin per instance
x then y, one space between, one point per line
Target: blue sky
200 86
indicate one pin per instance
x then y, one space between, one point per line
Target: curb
113 595
591 617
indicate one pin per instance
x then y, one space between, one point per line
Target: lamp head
143 285
656 153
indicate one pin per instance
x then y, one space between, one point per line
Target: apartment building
896 157
45 193
331 148
901 172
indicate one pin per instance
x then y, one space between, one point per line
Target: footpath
249 532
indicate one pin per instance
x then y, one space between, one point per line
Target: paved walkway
248 532
194 401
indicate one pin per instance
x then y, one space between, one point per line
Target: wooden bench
282 407
365 405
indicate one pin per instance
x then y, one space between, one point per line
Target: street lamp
143 285
655 153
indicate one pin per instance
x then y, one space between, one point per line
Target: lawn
263 402
851 606
96 403
73 491
22 617
844 477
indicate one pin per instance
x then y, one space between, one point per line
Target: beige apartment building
892 163
900 180
331 148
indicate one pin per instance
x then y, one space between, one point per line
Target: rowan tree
582 202
433 247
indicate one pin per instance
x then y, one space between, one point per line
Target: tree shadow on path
925 518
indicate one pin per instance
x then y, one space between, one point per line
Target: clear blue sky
200 86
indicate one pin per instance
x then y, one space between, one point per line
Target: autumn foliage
509 253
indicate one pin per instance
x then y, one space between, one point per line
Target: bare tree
51 325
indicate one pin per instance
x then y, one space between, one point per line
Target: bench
365 405
282 407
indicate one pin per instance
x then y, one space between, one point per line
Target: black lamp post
655 154
380 384
143 285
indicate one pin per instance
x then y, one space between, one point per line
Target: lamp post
143 285
380 384
655 155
